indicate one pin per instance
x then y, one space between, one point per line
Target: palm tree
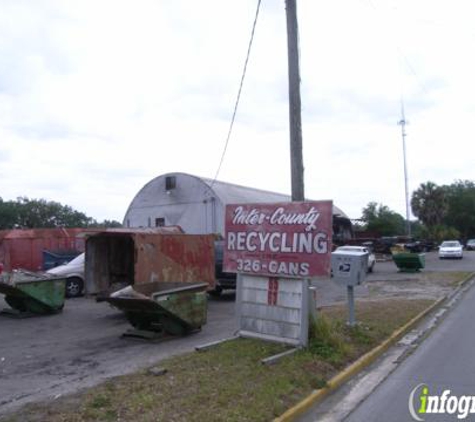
429 204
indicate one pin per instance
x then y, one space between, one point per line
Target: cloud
94 104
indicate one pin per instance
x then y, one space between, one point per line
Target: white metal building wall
196 204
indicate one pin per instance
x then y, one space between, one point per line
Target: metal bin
409 262
168 308
33 293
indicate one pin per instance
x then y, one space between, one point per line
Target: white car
470 246
371 256
73 271
451 249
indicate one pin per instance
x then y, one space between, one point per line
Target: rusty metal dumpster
163 308
116 258
23 248
409 262
31 293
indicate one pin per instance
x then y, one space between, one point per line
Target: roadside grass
447 278
457 277
228 382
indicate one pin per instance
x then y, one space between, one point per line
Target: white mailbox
349 267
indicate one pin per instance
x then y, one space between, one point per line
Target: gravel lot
45 357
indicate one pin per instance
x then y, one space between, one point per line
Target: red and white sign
291 239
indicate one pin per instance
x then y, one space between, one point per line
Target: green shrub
326 340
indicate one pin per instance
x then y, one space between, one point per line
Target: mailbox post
349 269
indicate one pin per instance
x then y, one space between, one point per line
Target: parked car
418 246
470 246
73 271
223 280
384 244
451 249
365 249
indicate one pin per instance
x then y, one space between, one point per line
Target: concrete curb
464 281
363 362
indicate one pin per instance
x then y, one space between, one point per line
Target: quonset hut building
198 205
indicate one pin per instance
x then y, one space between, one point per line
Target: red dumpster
119 257
24 248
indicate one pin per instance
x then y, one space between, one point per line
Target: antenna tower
403 123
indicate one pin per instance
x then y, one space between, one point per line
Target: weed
360 334
228 381
326 341
319 383
100 402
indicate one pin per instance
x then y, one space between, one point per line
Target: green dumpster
409 262
33 293
167 308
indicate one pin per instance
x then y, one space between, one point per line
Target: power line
403 123
238 95
411 69
403 56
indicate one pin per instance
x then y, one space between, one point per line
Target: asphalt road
433 263
45 357
444 361
438 352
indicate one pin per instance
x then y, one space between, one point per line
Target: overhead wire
403 56
236 104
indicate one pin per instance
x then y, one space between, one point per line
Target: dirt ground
44 358
433 282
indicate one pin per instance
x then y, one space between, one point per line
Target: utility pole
295 119
403 123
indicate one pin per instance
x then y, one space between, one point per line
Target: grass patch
326 340
228 382
450 278
458 277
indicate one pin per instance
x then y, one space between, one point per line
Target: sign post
275 249
349 269
351 306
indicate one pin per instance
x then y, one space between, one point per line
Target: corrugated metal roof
139 230
145 230
40 233
186 202
235 194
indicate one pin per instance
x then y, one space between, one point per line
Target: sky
98 97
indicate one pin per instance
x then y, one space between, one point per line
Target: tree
8 214
443 232
429 204
418 230
461 207
107 224
379 218
39 213
36 213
